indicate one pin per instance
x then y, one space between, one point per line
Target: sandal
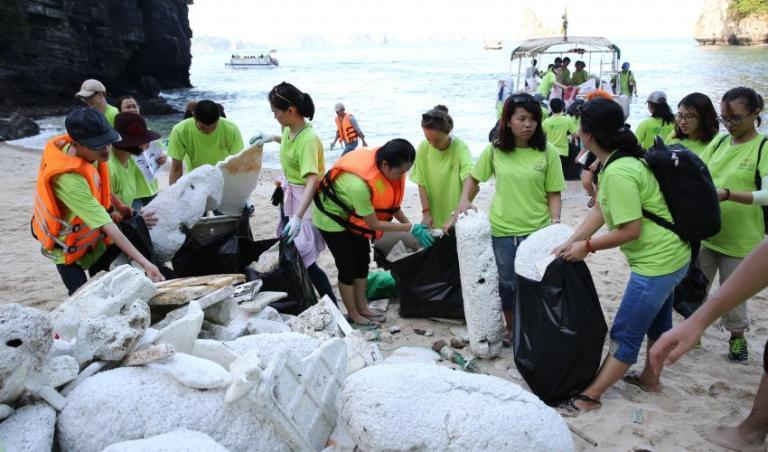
633 378
376 316
365 326
569 408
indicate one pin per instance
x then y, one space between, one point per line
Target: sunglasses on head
521 98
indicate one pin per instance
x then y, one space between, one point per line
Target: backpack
688 190
758 179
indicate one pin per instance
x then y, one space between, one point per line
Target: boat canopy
560 45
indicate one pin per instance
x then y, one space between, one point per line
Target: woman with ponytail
303 163
657 257
661 123
738 162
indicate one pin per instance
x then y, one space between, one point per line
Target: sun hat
133 130
90 128
91 87
657 97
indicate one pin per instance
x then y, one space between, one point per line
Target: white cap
339 107
657 97
91 87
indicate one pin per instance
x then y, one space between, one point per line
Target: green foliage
743 8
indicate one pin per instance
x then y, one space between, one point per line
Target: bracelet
589 247
555 221
727 194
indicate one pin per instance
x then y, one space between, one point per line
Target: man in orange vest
72 207
347 130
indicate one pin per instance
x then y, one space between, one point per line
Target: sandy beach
704 388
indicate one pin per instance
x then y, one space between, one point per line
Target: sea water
388 87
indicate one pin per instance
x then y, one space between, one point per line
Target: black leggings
352 253
320 281
74 276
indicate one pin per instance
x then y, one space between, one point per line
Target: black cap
90 128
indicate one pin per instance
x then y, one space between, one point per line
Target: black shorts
352 253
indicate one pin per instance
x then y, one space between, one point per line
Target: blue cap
90 128
625 65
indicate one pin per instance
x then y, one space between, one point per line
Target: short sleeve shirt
122 179
523 179
186 140
649 128
353 192
442 174
695 146
627 187
557 128
302 155
733 166
110 114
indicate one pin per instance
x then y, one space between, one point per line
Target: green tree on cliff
749 7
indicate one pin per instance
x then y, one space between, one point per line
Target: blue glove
422 234
292 228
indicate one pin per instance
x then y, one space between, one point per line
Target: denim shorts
505 250
646 309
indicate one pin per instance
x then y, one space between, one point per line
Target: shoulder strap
326 189
758 179
720 143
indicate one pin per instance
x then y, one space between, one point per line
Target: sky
336 20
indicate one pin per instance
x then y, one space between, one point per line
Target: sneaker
737 350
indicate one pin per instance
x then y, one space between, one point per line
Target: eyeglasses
732 120
686 116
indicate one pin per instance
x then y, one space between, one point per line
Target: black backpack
758 179
687 188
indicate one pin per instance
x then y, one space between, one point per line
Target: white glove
258 137
292 228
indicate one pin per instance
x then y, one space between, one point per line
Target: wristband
589 246
727 194
555 221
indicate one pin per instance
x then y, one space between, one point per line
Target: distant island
733 22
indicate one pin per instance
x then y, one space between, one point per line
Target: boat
261 60
492 45
600 55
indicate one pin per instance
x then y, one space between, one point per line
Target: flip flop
634 379
376 317
367 326
569 408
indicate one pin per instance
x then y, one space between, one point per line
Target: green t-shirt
733 167
353 192
74 194
649 128
545 87
565 76
442 174
302 155
204 148
523 179
558 127
579 77
110 114
695 146
627 187
121 178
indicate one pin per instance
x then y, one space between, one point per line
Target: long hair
285 95
604 120
754 101
708 125
662 111
505 139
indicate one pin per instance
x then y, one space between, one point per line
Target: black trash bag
428 282
691 292
559 331
135 230
291 277
228 255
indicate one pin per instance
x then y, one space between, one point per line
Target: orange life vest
346 132
386 195
48 224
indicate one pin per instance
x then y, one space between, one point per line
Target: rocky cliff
721 24
48 47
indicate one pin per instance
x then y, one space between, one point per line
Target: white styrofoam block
29 429
176 441
182 204
479 284
194 372
421 355
240 174
535 253
428 407
182 333
25 339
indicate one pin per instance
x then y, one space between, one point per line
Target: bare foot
360 320
731 438
643 382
